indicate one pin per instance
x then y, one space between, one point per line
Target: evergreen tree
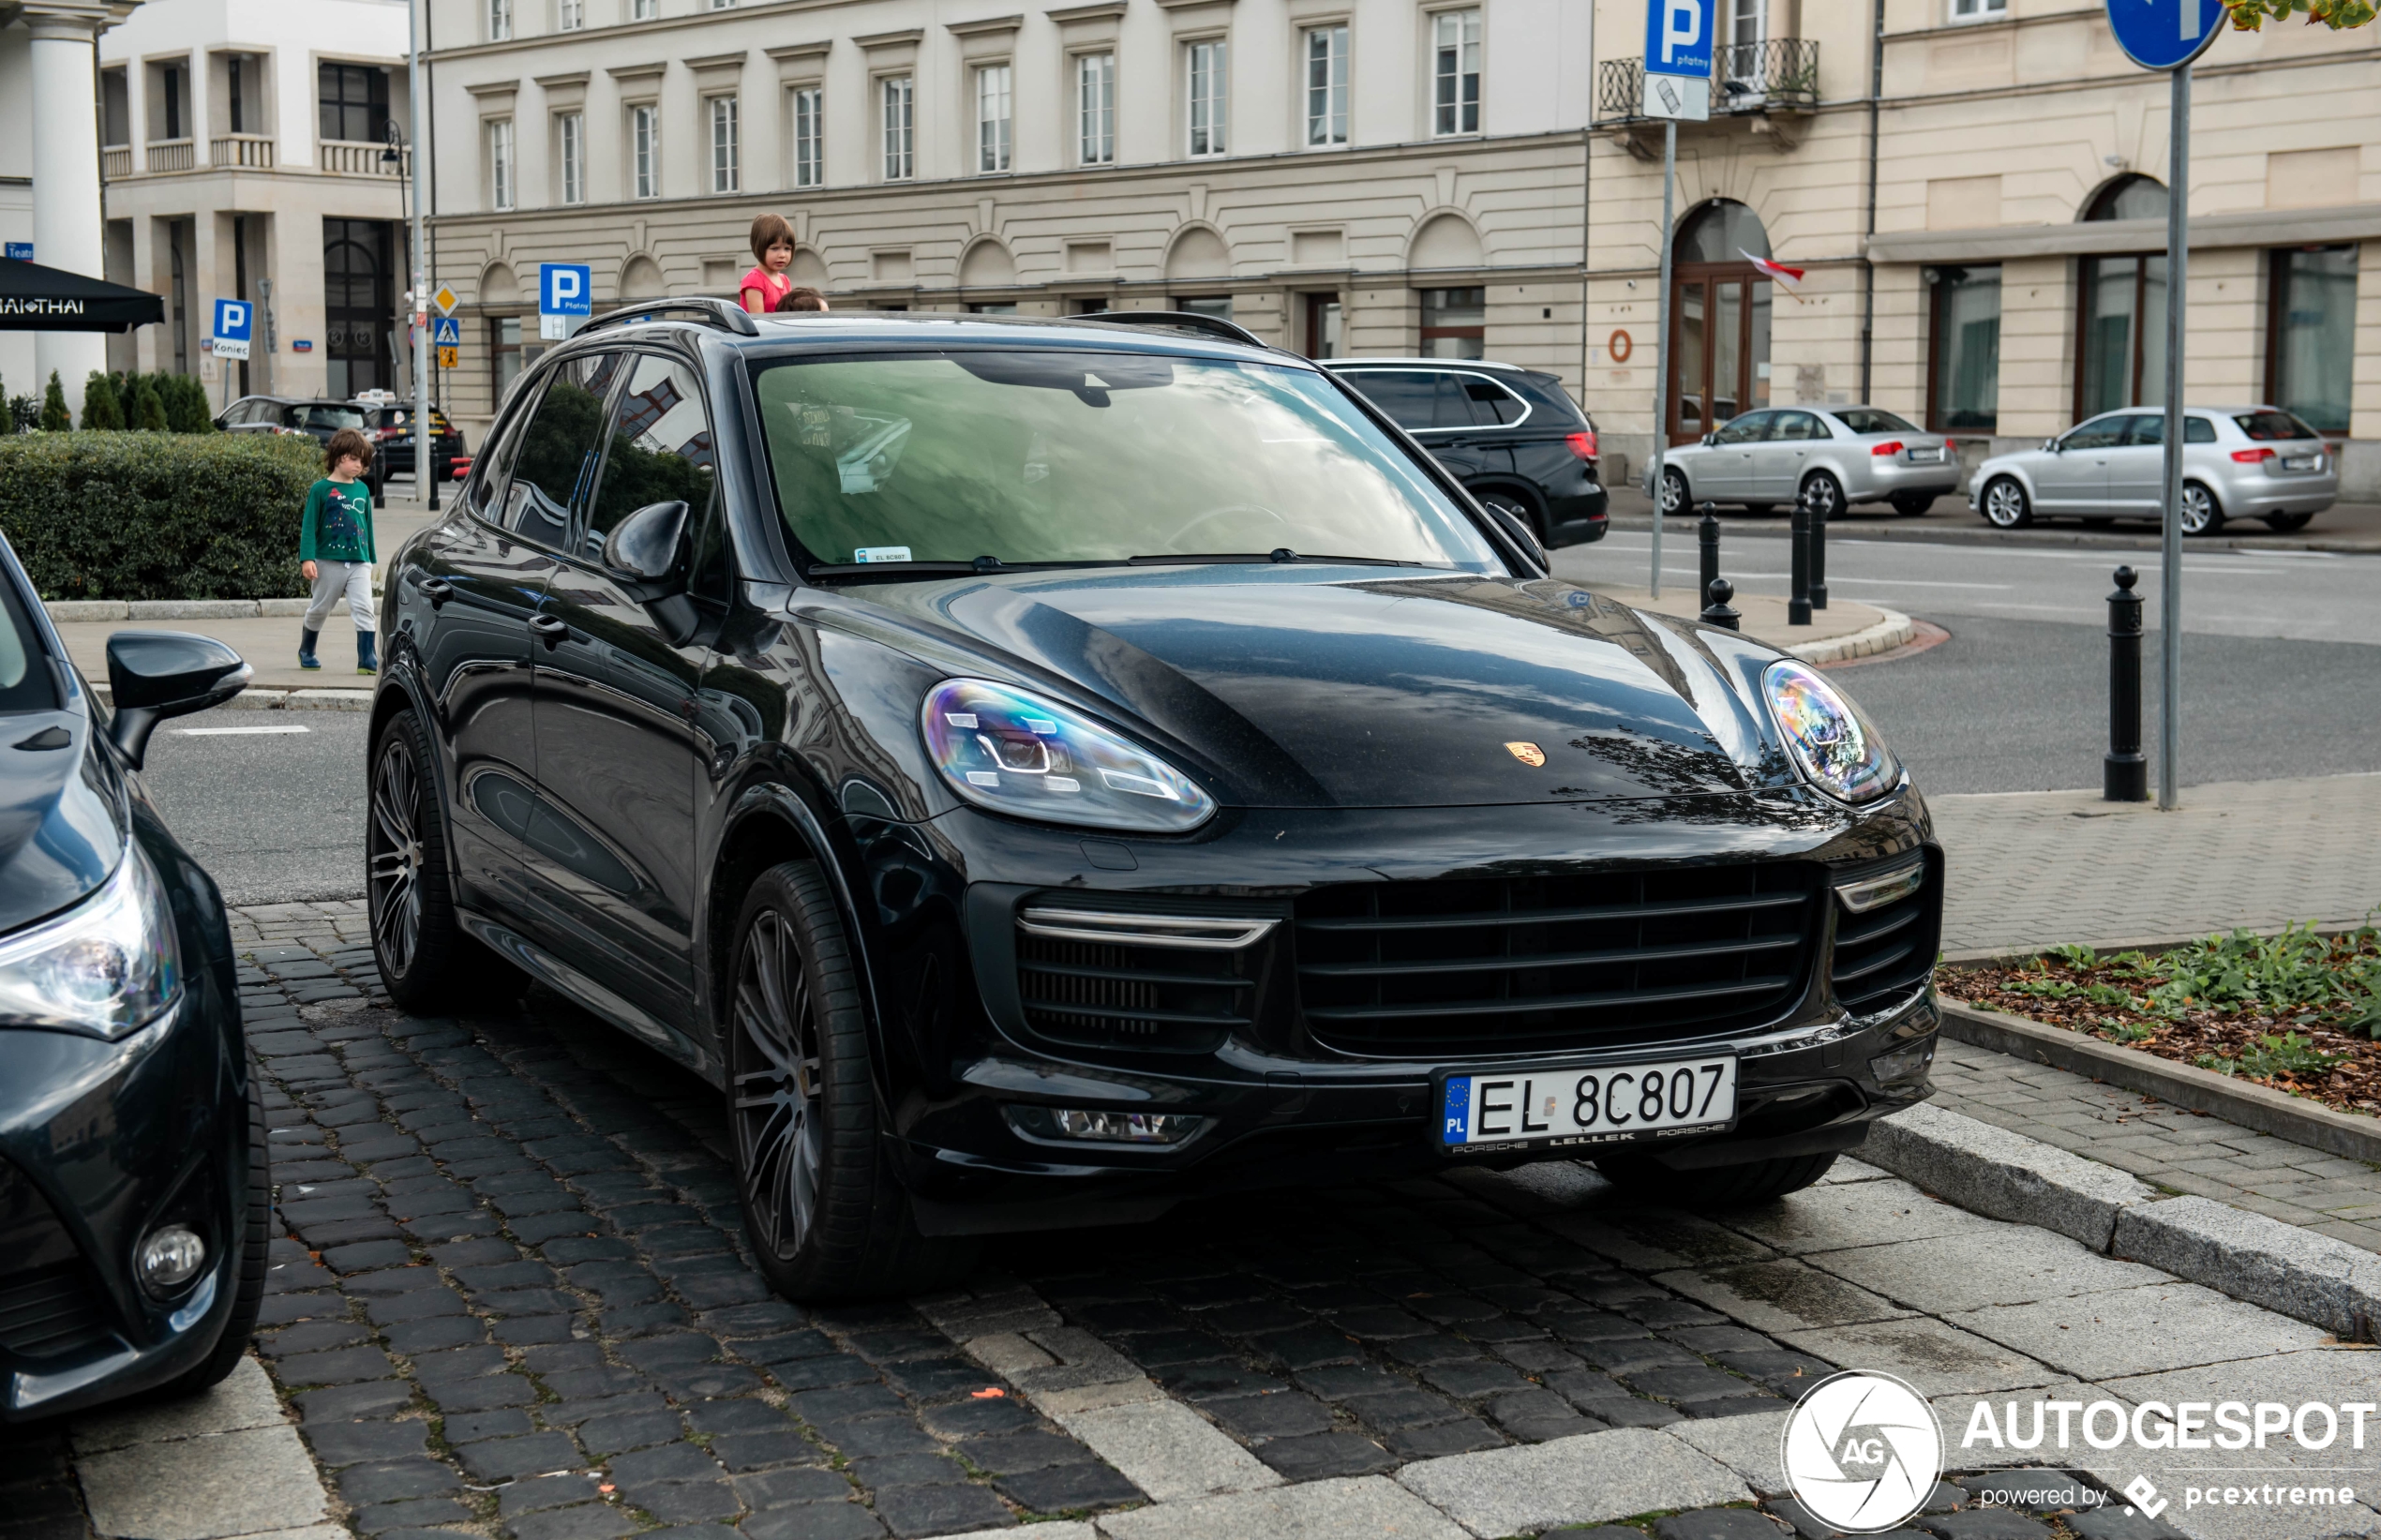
54 416
145 409
8 418
101 407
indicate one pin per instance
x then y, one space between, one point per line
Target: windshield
1870 420
1028 456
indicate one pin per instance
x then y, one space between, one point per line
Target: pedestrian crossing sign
449 358
446 332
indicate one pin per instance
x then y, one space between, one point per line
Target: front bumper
1281 1103
99 1144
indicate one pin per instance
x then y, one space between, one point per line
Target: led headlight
107 967
1832 743
1014 753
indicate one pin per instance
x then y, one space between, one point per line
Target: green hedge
157 516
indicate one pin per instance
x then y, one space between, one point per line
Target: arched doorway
1719 319
359 306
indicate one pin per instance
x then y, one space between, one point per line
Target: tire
2005 505
825 1216
247 1299
2202 514
2284 523
1760 507
1826 494
1715 1186
425 958
1911 505
1673 492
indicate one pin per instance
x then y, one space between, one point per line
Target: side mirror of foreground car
157 674
1521 535
644 547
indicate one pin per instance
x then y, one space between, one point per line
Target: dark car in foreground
389 424
134 1201
1512 436
1044 770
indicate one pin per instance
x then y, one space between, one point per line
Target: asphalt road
276 816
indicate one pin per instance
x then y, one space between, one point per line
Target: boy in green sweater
335 548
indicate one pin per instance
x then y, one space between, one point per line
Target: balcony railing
247 152
353 157
171 155
116 163
1779 73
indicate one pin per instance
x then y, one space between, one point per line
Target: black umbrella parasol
34 298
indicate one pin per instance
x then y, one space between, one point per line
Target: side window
1750 428
1800 425
2099 433
1405 394
2146 428
556 453
1492 405
661 448
486 488
2198 430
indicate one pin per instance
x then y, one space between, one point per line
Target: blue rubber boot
306 649
368 659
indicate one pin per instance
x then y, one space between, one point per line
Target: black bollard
1718 592
1707 540
1818 554
1798 602
2125 774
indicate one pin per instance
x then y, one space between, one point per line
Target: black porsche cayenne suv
1040 771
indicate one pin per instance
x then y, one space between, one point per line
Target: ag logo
1862 1451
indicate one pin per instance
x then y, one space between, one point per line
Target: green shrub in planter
144 409
102 408
157 516
54 416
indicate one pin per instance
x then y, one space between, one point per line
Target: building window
1206 70
1096 108
2120 310
1322 325
644 11
644 152
570 156
1454 323
810 143
900 127
2310 348
359 306
723 5
500 21
994 118
993 308
1964 374
353 101
234 66
1978 11
724 152
503 354
570 15
1217 305
1326 85
499 163
1455 72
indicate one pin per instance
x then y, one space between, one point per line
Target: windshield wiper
940 569
1283 555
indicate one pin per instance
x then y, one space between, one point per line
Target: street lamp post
418 297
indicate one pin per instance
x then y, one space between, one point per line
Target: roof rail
1184 320
725 314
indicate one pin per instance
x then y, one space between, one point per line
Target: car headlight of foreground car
1003 748
106 967
1833 742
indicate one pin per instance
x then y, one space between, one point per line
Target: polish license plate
1610 1104
1924 456
2298 462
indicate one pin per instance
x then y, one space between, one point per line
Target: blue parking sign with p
1678 58
563 290
233 319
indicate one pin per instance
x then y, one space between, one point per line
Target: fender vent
1171 983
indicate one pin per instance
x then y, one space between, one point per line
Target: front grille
1166 987
1541 964
1884 956
50 1302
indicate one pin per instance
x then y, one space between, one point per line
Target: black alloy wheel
393 858
2202 514
2005 505
425 958
1673 492
826 1216
1826 494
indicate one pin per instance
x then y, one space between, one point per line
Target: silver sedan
2238 462
1840 455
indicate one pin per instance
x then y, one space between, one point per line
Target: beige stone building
1983 240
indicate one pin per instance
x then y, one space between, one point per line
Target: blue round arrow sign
2164 34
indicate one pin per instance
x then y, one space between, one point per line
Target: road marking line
237 732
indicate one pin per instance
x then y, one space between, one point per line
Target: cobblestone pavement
2034 869
512 1301
2167 1145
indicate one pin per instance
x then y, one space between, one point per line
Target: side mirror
1522 535
2050 446
153 675
644 548
1712 438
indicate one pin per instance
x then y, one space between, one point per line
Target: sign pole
1662 344
424 437
2170 579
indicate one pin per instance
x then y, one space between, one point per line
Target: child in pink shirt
773 251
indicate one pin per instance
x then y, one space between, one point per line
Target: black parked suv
1513 436
1041 769
389 424
317 419
135 1202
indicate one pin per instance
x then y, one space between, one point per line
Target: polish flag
1790 277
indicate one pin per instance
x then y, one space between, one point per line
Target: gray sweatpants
333 579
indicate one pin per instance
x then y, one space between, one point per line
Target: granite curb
64 611
1893 630
279 700
1983 534
2297 1272
2252 1106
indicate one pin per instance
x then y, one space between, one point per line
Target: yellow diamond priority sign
445 300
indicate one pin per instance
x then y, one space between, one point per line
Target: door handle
437 591
551 629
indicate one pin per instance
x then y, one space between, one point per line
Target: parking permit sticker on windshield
866 554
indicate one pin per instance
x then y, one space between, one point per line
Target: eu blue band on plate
1459 1109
